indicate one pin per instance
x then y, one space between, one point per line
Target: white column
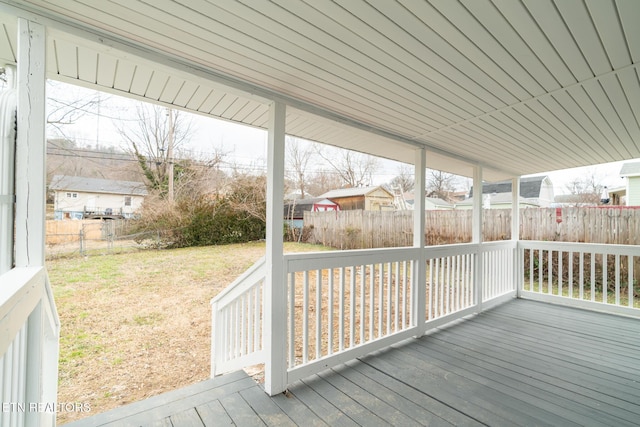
477 234
515 233
7 171
31 146
419 287
30 210
275 310
515 209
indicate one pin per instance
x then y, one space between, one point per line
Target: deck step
156 408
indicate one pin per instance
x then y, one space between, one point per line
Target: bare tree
404 179
299 154
587 188
322 181
151 139
67 110
248 193
354 169
440 184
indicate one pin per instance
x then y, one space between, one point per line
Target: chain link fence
95 237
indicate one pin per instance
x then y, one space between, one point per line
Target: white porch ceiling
518 86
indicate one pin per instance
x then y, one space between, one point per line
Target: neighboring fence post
81 240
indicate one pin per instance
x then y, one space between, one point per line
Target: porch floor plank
521 363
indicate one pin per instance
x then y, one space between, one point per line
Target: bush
215 223
199 221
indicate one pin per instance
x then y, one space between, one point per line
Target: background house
535 190
631 171
294 211
366 198
77 197
430 203
497 201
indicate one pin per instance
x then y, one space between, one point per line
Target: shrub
199 222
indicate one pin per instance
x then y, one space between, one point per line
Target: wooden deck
523 363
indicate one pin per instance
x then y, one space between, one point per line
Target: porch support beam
30 208
515 209
477 234
515 232
419 275
7 171
30 148
275 308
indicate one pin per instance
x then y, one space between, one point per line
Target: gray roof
350 192
438 202
499 198
529 187
96 185
630 169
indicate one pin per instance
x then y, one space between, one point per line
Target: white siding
546 193
92 201
633 191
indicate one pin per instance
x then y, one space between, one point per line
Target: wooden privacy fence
359 229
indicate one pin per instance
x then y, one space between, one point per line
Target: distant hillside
65 158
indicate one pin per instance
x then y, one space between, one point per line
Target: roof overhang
515 86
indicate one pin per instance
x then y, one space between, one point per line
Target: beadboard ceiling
517 86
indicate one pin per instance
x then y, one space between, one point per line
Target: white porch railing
341 305
593 276
236 330
29 332
344 304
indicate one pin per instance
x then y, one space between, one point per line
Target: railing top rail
500 243
449 250
245 281
601 248
336 259
21 290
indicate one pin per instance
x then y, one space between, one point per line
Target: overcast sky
245 145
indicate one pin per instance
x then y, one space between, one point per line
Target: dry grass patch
138 324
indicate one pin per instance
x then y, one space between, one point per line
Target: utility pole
170 154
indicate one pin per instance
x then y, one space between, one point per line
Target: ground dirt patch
139 324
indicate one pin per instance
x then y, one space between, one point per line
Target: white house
631 171
77 197
490 90
430 203
497 201
535 190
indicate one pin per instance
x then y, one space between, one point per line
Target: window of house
127 200
72 195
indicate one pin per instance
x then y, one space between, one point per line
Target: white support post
477 235
275 310
7 171
31 146
419 287
30 186
515 234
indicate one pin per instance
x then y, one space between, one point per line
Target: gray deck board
213 414
240 412
188 418
522 363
